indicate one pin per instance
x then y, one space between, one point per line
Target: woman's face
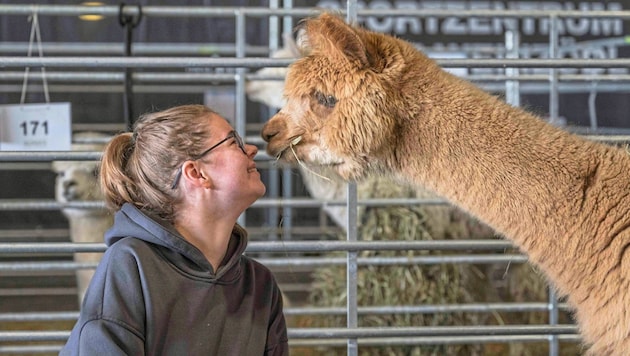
233 172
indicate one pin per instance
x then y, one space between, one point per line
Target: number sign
35 127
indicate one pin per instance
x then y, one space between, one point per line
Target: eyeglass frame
232 134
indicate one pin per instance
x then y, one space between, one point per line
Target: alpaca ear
332 35
292 45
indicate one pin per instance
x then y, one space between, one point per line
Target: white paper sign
35 127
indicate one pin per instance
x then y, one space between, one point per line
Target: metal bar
148 77
528 88
259 62
22 205
310 262
44 266
139 49
152 77
352 298
428 309
206 49
554 109
30 349
457 340
432 340
326 333
554 346
51 204
287 212
274 27
393 261
286 246
371 310
142 62
554 113
40 316
43 156
211 11
149 11
273 191
287 21
512 89
14 350
35 233
240 109
329 333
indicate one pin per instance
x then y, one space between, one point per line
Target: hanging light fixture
91 17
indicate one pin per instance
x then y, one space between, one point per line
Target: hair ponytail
118 188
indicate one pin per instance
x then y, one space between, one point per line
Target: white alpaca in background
78 181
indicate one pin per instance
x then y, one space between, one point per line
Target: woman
173 280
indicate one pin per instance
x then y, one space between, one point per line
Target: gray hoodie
154 293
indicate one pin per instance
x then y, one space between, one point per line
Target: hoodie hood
129 221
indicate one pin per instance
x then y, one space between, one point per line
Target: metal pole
129 22
553 117
512 88
240 110
352 256
553 73
273 185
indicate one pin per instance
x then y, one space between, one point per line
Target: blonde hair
139 167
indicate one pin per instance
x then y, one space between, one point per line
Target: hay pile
404 285
427 284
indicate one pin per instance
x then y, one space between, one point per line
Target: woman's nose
251 150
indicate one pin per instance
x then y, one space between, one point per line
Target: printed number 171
35 126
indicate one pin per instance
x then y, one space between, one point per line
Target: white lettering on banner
410 25
567 49
569 30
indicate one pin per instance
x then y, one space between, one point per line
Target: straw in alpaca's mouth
294 142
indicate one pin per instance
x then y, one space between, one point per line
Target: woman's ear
193 174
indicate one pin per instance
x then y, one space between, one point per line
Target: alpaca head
78 180
343 99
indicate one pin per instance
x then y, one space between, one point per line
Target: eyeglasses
233 134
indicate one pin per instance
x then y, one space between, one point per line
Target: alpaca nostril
69 184
69 190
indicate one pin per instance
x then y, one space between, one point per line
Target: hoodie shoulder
115 292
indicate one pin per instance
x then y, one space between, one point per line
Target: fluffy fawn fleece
364 103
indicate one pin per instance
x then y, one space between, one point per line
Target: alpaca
518 283
366 103
78 181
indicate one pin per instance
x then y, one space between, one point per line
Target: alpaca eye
328 101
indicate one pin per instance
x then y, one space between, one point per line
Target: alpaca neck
528 180
88 226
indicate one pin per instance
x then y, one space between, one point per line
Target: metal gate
289 231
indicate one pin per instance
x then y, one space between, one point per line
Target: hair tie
132 143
